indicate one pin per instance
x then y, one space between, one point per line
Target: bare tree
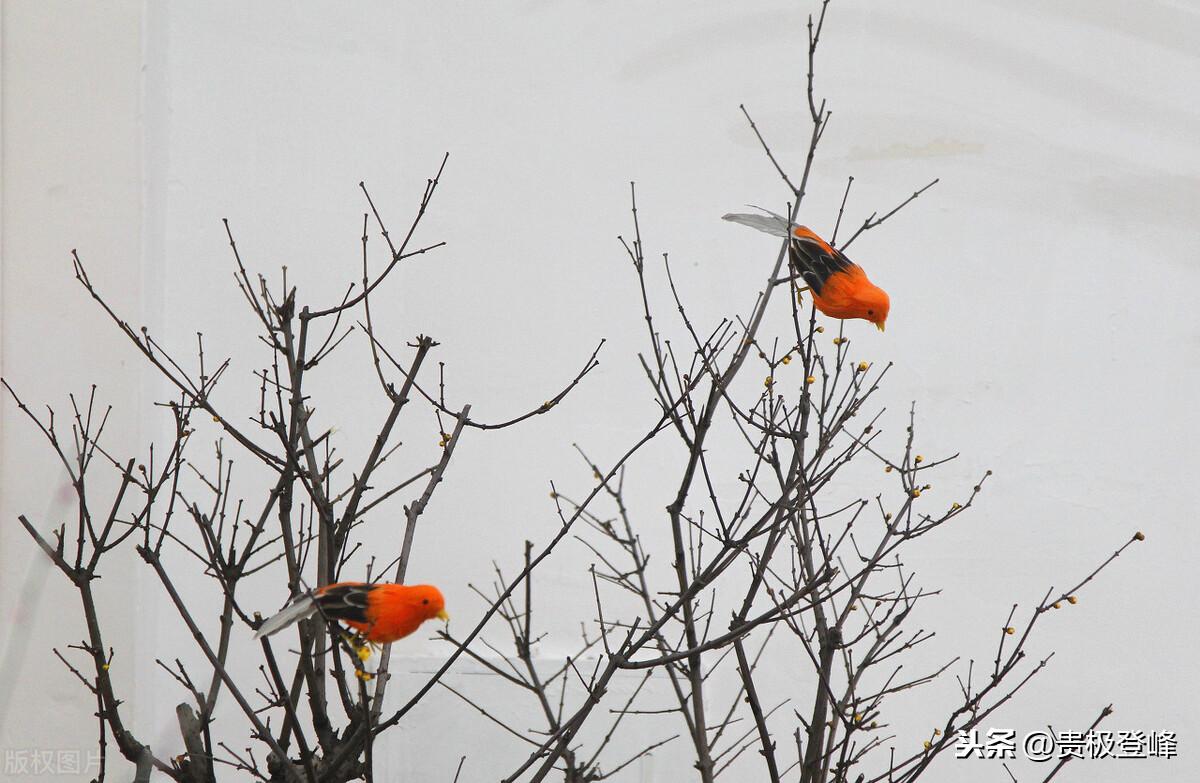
781 558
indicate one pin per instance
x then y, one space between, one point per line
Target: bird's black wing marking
345 602
814 262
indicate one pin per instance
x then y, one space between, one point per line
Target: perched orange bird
382 612
840 287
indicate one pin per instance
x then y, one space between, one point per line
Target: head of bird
875 305
429 602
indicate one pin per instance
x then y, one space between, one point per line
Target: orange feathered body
849 294
840 287
383 612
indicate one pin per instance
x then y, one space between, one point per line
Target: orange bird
840 287
382 612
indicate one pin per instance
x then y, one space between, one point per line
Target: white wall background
1044 293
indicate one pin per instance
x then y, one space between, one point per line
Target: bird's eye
424 600
870 312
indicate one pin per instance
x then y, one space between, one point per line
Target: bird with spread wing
381 613
839 286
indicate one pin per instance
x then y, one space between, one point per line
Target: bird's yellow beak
879 326
443 616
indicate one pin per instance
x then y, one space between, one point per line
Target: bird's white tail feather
297 610
769 223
